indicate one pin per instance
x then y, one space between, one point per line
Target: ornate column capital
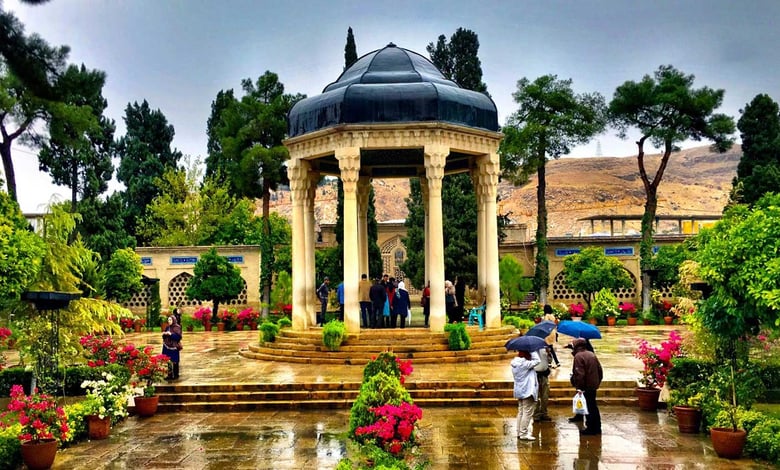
298 171
349 164
435 160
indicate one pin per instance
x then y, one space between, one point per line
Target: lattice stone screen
140 299
564 293
177 293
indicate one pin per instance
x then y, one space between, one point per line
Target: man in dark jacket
378 295
586 375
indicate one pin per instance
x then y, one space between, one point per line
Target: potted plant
147 369
203 314
189 322
686 404
106 404
649 317
604 306
629 310
576 311
729 442
43 426
656 361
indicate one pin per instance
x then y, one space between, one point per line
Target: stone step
232 406
237 397
450 358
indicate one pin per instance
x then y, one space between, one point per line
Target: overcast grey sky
178 54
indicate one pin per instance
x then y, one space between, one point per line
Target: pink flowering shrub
627 308
394 428
202 314
576 310
144 365
39 415
657 361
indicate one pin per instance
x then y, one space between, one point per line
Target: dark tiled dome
392 85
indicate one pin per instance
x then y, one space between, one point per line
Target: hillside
697 181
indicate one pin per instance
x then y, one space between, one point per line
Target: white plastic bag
408 315
578 404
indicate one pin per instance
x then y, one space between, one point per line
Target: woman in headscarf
171 346
401 305
450 302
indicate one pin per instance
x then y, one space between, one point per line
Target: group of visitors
531 371
389 302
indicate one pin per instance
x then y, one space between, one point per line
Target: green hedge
10 447
74 376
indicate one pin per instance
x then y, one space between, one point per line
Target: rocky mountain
696 181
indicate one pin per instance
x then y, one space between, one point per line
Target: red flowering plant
127 323
147 368
576 310
657 361
38 414
627 308
394 429
202 314
247 316
99 350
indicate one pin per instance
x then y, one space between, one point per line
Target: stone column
488 170
481 234
349 164
363 189
297 172
312 303
426 240
435 159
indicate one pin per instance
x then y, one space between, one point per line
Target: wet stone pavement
450 438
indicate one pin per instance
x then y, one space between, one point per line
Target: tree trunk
8 167
542 273
214 311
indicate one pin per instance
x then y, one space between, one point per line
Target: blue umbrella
579 329
541 329
525 343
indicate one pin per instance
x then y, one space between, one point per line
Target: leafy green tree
123 275
78 152
29 57
738 259
414 241
667 110
591 270
667 263
551 119
216 166
28 73
21 251
252 157
102 226
350 50
145 154
215 279
758 171
184 214
514 286
458 59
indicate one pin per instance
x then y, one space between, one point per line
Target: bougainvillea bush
657 361
38 414
394 428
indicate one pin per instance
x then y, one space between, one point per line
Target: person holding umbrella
586 375
525 391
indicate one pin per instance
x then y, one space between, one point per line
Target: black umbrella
541 329
525 343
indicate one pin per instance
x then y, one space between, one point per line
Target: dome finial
390 44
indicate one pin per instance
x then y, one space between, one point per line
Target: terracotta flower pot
97 427
611 321
648 398
221 326
593 321
207 325
668 320
688 419
138 325
39 455
253 326
146 406
727 443
631 321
